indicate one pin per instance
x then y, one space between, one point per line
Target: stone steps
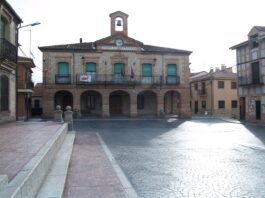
29 179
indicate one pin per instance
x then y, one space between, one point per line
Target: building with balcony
24 87
214 93
9 21
250 56
116 75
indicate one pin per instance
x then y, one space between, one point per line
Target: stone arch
147 103
172 102
63 98
119 103
91 103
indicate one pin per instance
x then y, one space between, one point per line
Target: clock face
119 42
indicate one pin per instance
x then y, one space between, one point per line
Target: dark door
258 110
255 73
242 108
196 107
115 105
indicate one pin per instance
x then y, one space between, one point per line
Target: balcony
62 79
117 79
244 81
7 50
202 92
172 80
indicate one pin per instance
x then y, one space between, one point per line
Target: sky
208 28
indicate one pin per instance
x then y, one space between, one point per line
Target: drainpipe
212 95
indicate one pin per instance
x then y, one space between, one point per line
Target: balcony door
91 72
171 74
119 72
63 73
147 73
255 73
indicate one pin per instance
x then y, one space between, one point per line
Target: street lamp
32 24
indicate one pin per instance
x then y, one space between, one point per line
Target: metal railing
7 50
244 81
173 80
202 92
62 79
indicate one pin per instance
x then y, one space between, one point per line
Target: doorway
242 108
258 110
196 107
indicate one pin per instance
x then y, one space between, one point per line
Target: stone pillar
133 105
68 117
105 105
160 105
185 111
58 114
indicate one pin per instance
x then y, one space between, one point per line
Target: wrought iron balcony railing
93 79
202 92
62 79
7 50
173 80
244 81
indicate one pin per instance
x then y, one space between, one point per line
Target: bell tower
119 23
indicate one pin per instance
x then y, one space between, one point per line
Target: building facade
9 22
214 93
116 75
24 87
250 56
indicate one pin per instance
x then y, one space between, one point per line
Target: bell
118 22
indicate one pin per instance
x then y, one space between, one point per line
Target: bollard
58 114
68 117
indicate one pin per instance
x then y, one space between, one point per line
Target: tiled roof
151 48
222 74
91 46
260 28
74 46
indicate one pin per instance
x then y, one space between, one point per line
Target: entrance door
116 105
242 108
258 110
196 107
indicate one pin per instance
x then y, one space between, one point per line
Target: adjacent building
9 21
36 100
214 93
24 87
116 75
250 56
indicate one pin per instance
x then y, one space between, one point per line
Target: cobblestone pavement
90 174
196 158
20 141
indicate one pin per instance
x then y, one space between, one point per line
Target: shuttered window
171 69
63 69
147 70
91 67
119 72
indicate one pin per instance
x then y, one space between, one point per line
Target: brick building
24 87
116 75
250 56
215 93
9 21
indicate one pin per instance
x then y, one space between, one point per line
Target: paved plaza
183 158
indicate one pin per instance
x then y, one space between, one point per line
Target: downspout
212 96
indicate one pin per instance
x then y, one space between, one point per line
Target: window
254 41
146 73
2 28
119 72
196 86
63 73
91 71
255 73
90 102
4 93
233 85
221 84
234 103
171 74
221 104
140 102
203 104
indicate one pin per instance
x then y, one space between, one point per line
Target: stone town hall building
116 75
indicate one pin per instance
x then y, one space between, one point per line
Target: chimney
211 69
81 41
217 69
223 67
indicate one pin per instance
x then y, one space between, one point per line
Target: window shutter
63 69
91 67
171 70
147 70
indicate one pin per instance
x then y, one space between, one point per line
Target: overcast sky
206 27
